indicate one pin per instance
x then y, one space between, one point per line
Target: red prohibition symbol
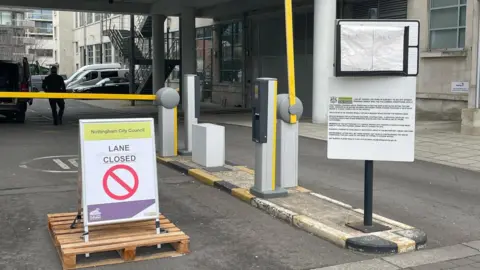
111 173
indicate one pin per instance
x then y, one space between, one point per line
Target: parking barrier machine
264 122
287 141
167 100
191 109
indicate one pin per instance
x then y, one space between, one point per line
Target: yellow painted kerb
290 57
203 176
274 137
43 95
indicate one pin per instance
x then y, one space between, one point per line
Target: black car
114 85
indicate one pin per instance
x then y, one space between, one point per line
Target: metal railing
18 23
39 16
41 30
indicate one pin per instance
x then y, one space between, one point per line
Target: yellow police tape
76 96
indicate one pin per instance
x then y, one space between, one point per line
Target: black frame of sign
403 73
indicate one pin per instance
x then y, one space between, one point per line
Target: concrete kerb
402 240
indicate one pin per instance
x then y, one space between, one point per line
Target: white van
91 67
91 77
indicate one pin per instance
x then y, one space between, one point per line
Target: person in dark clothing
54 83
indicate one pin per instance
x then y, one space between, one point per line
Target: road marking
74 162
61 164
33 164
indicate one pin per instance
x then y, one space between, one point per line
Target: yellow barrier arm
290 56
44 95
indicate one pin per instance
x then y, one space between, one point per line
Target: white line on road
61 164
74 162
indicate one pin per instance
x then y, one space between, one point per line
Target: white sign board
378 45
372 118
119 170
372 48
460 87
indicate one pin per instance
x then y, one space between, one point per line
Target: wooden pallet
124 239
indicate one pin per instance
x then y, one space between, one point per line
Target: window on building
107 50
5 18
81 19
76 66
76 47
41 52
76 19
55 56
231 52
89 54
447 24
98 53
82 56
42 14
55 32
43 27
89 17
98 17
204 55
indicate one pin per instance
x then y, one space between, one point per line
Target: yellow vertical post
290 56
175 129
274 137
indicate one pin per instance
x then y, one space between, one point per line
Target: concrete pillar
158 52
188 46
323 56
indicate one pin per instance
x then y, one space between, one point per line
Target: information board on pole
119 170
372 119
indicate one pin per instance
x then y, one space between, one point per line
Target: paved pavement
225 233
465 256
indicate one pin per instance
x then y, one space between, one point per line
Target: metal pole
368 200
132 57
84 38
101 38
477 88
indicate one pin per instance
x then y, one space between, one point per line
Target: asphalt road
225 232
441 200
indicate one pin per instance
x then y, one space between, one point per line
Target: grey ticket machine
260 112
264 129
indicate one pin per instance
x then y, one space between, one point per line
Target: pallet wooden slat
124 238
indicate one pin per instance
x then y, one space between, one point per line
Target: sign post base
375 227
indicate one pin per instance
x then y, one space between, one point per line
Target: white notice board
119 170
372 48
372 118
377 47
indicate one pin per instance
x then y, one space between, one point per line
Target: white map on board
372 48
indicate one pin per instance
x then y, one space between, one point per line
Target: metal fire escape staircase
120 38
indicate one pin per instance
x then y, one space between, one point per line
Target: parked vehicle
37 81
91 77
118 85
81 70
14 77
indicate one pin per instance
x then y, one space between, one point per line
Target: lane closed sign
119 170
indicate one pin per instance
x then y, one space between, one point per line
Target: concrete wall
439 68
63 38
